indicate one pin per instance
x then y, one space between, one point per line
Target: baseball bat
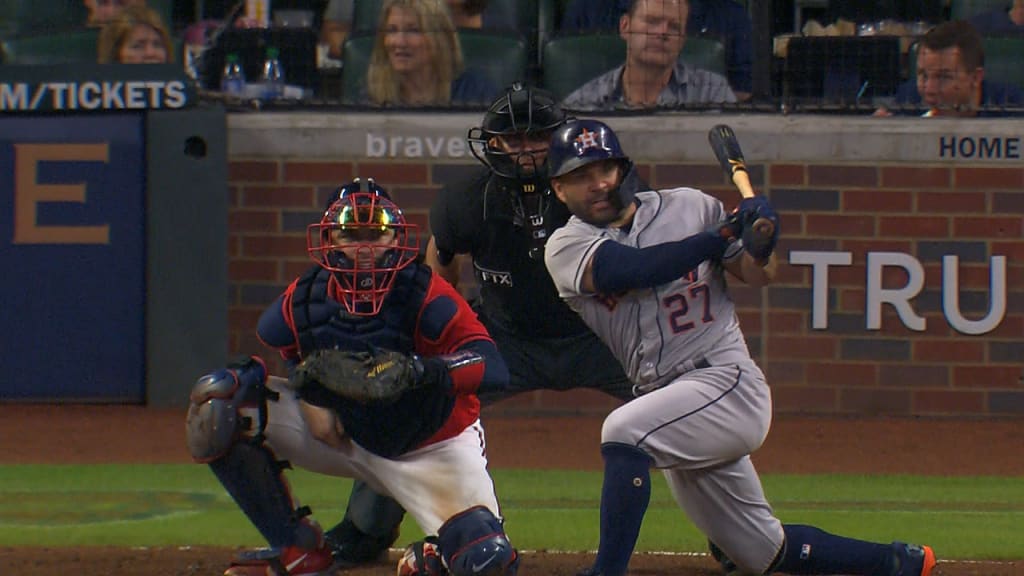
727 149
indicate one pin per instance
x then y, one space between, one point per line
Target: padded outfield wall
902 284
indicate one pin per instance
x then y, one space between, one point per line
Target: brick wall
973 211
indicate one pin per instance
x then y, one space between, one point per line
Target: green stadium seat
964 9
571 60
547 24
67 47
33 17
365 14
501 56
1002 59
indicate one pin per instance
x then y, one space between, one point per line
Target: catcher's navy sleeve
272 327
275 330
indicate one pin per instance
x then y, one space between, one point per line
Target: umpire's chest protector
321 322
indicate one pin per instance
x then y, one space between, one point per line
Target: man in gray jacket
652 76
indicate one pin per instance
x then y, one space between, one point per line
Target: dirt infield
104 434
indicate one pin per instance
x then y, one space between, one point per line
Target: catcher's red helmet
365 240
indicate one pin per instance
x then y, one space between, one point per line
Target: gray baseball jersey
654 333
703 404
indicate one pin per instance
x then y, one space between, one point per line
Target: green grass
137 505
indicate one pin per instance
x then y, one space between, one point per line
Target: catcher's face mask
365 240
512 139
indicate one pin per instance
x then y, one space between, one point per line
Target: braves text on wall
91 95
388 146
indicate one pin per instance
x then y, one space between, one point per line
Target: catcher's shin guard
232 444
473 543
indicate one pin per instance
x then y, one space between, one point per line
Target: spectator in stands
469 14
1001 21
951 78
337 24
137 35
723 19
417 59
653 75
478 14
102 11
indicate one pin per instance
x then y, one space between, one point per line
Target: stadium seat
364 16
964 9
501 55
547 25
34 17
1002 59
66 47
571 60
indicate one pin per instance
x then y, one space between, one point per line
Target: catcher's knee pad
218 433
214 422
473 543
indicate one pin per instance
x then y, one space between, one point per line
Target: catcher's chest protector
322 322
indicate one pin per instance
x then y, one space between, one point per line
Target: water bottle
273 76
233 80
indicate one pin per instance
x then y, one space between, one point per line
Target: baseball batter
425 448
646 271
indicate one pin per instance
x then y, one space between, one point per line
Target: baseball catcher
386 360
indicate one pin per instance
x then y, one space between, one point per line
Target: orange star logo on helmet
586 140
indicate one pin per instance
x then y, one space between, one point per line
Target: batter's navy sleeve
619 268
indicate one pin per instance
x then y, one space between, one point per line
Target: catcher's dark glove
366 377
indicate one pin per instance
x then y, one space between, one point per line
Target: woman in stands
417 59
137 35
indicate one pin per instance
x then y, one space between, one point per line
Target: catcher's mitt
379 377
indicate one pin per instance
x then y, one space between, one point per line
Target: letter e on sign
28 193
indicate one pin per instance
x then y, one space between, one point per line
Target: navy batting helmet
521 110
580 142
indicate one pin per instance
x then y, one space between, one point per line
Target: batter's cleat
912 559
289 561
422 558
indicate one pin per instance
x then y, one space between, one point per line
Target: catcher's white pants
432 483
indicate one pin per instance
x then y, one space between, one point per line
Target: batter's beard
615 199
